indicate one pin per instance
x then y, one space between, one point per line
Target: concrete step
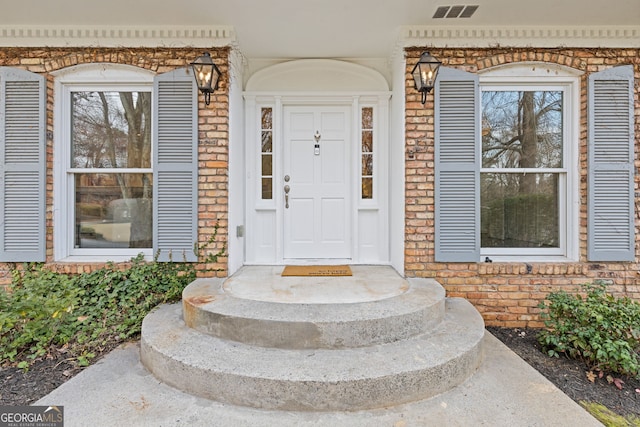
210 306
345 379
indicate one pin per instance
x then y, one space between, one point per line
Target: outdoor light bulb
427 77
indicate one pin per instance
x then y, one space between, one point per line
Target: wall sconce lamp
207 75
425 73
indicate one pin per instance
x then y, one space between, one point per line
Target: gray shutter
175 155
457 167
610 194
22 166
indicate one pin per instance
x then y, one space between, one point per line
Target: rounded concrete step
210 307
314 380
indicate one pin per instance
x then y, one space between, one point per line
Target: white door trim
264 218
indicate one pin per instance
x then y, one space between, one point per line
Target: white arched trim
317 75
103 72
528 69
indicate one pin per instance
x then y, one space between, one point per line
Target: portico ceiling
320 28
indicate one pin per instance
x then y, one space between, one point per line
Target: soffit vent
455 11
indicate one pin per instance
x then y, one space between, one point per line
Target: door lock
316 147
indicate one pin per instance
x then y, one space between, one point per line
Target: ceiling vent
455 11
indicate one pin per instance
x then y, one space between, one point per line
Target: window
125 176
367 153
266 152
110 169
506 164
523 176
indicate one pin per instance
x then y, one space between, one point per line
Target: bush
114 301
37 312
87 313
600 329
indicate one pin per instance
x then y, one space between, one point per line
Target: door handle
286 196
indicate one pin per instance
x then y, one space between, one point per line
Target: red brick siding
505 293
213 133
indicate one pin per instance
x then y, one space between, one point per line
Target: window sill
92 259
526 258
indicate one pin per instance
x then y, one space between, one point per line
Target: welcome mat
317 270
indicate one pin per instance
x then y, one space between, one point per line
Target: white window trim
82 78
545 76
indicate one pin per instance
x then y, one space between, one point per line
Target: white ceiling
317 28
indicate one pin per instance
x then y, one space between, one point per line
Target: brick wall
213 137
507 294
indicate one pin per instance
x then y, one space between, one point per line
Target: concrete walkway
505 391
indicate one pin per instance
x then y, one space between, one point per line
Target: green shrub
36 312
85 313
114 300
598 328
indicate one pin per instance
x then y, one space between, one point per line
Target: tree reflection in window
367 153
266 150
111 163
522 163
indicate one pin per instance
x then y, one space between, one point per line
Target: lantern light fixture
425 73
207 75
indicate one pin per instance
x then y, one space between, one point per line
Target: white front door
317 175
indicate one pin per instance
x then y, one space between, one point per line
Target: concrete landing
368 283
505 391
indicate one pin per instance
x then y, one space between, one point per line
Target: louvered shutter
175 158
22 166
610 194
457 167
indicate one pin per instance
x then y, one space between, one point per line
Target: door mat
317 270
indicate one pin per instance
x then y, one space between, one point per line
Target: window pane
519 210
267 121
113 210
267 142
367 118
267 164
367 188
522 129
367 142
267 189
367 165
111 130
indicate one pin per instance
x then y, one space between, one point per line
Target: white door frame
338 84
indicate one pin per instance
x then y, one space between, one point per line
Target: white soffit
521 36
117 36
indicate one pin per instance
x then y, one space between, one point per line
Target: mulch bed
18 387
570 376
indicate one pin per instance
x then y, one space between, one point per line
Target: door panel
317 222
